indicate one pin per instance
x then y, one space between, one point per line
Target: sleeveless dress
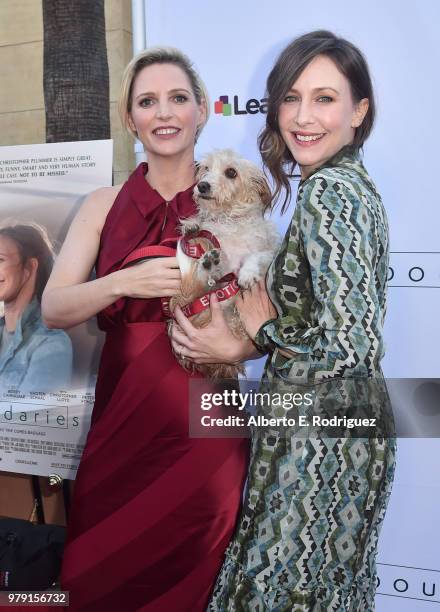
307 537
153 509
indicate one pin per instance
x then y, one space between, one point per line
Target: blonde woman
153 509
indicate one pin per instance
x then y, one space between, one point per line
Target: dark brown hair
293 60
32 241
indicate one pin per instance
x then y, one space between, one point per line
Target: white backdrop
233 44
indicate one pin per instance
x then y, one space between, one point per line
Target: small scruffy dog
232 195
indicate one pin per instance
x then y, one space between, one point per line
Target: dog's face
229 183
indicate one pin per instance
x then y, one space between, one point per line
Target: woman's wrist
116 285
242 350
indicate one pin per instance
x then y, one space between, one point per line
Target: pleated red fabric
153 509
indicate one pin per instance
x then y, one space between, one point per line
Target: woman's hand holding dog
158 277
255 308
214 343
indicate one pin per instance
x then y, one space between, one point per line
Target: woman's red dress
153 509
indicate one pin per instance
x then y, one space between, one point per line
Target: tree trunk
76 79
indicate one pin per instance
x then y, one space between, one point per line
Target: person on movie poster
32 357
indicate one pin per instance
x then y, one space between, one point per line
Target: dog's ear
200 170
263 190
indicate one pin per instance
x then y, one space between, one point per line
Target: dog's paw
210 267
247 278
210 259
191 229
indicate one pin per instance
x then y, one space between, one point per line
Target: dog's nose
204 187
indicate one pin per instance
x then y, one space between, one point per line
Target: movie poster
47 377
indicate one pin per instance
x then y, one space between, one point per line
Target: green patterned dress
307 536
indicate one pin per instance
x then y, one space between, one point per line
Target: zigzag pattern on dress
308 533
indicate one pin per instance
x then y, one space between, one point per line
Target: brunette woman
309 530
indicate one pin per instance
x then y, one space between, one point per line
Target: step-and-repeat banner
233 45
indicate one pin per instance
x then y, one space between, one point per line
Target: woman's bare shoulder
97 205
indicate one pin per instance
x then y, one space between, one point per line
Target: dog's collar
196 250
